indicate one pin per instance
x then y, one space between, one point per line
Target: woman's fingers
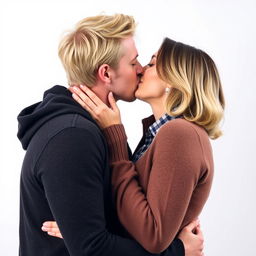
83 103
55 234
100 112
85 99
92 95
50 224
51 228
112 102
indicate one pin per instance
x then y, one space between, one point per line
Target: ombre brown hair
196 90
94 41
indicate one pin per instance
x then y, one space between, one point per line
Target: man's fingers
192 225
199 232
200 236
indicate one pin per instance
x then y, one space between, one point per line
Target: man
65 174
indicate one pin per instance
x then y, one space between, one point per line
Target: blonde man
65 174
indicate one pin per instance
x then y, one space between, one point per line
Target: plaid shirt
151 133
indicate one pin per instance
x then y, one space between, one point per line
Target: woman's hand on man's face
105 116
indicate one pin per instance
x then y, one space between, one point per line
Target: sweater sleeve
71 170
154 217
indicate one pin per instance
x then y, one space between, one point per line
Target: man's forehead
129 48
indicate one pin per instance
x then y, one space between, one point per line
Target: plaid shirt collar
150 134
154 128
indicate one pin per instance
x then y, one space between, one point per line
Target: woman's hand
100 112
51 228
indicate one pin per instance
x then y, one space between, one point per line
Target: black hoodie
65 177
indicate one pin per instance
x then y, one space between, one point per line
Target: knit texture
167 187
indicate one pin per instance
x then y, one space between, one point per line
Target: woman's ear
104 73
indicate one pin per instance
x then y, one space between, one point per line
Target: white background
29 35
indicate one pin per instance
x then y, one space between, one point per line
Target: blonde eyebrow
135 57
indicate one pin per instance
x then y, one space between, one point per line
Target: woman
168 182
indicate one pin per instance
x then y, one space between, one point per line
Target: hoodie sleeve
71 171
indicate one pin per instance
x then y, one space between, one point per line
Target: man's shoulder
67 134
62 125
67 121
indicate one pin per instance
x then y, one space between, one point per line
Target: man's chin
130 99
126 98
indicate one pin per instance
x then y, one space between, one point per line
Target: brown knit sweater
167 187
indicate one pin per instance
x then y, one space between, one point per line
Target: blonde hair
94 41
196 87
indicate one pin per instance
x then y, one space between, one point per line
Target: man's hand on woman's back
193 239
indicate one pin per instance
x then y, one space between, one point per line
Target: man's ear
104 73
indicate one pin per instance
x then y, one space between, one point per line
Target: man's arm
71 169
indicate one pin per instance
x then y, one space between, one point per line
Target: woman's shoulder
180 125
180 135
181 128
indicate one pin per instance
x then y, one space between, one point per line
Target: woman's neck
158 109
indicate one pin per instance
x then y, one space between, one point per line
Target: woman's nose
144 68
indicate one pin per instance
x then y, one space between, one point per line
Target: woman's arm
154 217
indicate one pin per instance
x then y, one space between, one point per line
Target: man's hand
192 238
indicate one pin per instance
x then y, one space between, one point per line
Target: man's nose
143 69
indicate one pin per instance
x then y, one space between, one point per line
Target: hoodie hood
56 101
